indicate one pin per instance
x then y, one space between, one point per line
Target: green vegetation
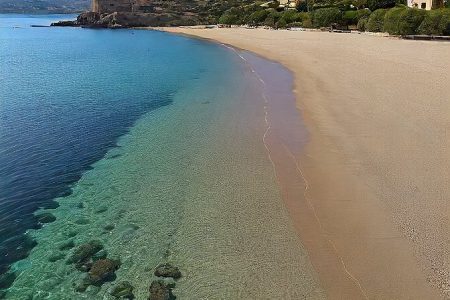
375 22
410 20
390 16
392 19
436 22
326 16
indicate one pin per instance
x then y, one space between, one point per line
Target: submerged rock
102 254
167 270
67 245
92 290
101 210
84 252
82 285
109 227
45 218
82 221
56 256
122 290
71 233
84 266
103 270
159 290
6 280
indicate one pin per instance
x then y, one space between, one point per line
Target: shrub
272 18
230 17
326 16
362 24
436 22
343 5
410 20
376 21
306 19
269 21
291 16
377 4
280 24
350 17
392 19
295 24
258 17
363 14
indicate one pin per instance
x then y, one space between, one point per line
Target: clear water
150 143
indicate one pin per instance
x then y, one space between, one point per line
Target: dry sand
370 194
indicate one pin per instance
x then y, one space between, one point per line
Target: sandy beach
369 194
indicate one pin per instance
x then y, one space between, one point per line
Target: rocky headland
124 13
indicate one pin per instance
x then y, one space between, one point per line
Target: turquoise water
151 144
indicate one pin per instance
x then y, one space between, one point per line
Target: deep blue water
66 95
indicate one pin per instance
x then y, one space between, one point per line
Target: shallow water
154 145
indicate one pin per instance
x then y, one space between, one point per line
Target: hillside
44 6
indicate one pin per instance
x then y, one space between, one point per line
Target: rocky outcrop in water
46 217
84 252
103 270
160 290
122 290
168 270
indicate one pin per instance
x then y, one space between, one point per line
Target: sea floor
192 184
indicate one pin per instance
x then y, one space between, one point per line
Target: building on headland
289 4
282 4
426 4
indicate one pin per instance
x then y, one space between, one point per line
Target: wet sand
369 194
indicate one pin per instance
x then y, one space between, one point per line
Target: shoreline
361 249
177 190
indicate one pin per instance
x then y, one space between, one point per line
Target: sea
149 144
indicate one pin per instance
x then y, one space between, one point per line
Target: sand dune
372 206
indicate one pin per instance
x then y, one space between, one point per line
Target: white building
426 4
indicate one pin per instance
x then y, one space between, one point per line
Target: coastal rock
103 270
159 290
122 290
45 217
65 23
87 18
84 252
168 270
